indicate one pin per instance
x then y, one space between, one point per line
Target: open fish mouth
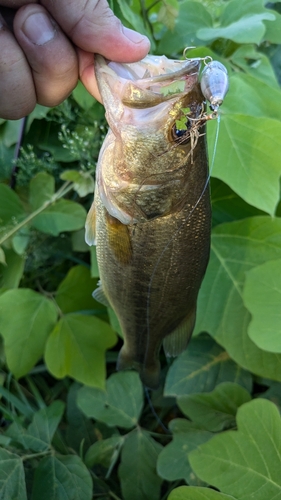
147 83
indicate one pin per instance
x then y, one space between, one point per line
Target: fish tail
150 375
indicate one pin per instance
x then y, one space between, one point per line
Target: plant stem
112 495
36 455
66 187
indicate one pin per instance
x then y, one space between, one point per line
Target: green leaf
255 64
26 319
192 16
11 274
62 478
245 463
12 132
75 291
248 29
262 297
2 257
38 113
137 471
76 347
197 493
80 429
242 159
44 425
236 248
82 97
120 405
201 367
94 263
12 480
168 13
11 209
83 182
21 240
41 189
134 20
63 215
104 452
273 30
78 242
216 410
173 463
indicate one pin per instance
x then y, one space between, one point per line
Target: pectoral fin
119 239
90 226
177 341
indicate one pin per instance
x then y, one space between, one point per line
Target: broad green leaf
11 273
83 182
41 189
262 297
82 96
234 10
79 429
12 132
44 424
21 240
12 480
94 263
38 113
78 242
137 471
227 206
168 13
62 478
245 463
121 403
104 452
63 215
273 30
173 463
255 64
76 347
248 29
135 20
197 493
11 209
2 257
26 319
216 410
243 159
191 17
236 248
75 291
201 367
114 321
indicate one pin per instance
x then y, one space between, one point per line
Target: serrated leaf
245 463
41 189
216 410
75 291
137 471
172 462
248 29
63 215
262 297
121 403
11 274
197 493
12 480
104 452
82 97
26 319
201 367
191 17
76 347
11 209
62 478
236 248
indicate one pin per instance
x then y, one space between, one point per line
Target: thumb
92 26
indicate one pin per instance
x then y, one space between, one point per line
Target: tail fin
150 375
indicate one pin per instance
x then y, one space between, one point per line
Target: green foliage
96 436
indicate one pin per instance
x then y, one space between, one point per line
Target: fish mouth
147 83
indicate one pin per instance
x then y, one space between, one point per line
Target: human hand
52 44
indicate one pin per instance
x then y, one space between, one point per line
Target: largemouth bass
151 216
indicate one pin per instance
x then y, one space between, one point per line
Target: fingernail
134 36
38 28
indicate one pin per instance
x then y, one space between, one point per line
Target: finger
15 4
92 26
51 56
87 73
17 93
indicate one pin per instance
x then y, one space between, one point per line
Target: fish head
153 108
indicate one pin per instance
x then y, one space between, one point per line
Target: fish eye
180 135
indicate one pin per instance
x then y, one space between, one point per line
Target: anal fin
99 295
177 341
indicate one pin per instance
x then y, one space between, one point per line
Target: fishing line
158 419
178 230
